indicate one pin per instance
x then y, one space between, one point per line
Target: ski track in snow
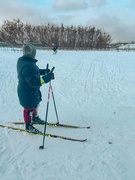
90 88
9 166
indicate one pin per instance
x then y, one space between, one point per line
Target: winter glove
48 77
44 71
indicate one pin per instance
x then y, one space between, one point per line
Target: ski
42 134
56 125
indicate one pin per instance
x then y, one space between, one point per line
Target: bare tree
69 37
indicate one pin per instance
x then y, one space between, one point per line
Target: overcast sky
117 17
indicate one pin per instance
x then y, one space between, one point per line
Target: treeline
69 37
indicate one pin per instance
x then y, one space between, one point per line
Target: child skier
29 83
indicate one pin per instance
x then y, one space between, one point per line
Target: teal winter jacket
28 82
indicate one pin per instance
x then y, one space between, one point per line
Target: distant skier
55 47
29 83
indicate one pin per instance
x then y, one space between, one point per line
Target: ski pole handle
52 69
47 66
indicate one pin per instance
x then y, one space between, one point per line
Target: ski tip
84 140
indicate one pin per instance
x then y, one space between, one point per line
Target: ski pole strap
49 92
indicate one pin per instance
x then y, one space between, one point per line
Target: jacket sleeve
32 76
42 71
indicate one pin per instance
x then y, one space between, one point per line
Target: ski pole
53 99
42 147
54 104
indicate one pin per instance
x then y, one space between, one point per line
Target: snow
95 88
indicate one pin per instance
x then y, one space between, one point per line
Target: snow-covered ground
95 88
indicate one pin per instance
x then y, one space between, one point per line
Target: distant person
117 49
29 83
55 47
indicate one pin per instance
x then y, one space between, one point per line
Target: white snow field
95 88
